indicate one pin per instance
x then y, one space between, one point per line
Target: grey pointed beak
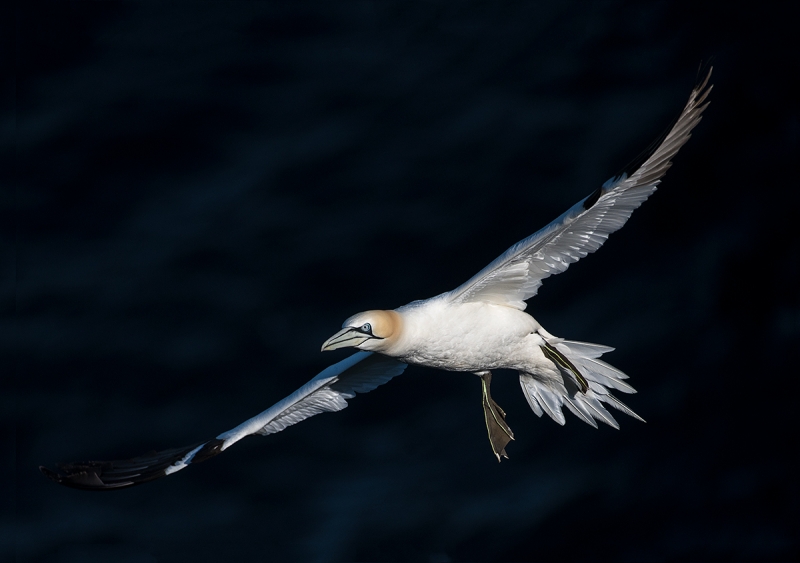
347 337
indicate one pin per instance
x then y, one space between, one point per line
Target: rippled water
206 193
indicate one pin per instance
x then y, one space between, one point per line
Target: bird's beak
346 337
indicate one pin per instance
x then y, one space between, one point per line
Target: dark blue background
206 191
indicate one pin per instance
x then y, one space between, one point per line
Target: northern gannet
478 327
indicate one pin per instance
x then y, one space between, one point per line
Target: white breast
466 336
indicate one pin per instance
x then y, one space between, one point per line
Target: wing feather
516 275
327 392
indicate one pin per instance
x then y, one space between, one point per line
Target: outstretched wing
327 392
517 273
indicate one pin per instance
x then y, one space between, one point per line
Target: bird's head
371 330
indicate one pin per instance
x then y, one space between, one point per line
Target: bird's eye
366 327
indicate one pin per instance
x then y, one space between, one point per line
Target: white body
471 337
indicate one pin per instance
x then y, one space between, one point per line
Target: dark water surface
207 191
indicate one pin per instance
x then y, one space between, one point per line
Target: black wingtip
698 97
50 474
704 70
702 87
84 476
113 475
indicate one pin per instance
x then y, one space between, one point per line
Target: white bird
478 327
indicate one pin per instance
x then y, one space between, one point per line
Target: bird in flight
478 327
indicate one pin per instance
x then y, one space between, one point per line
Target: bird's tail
584 392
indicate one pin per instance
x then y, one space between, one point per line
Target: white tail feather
546 395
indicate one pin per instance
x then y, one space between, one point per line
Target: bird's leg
561 361
499 432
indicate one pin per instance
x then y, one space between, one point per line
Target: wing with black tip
517 273
327 392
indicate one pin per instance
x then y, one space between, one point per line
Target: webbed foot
499 432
